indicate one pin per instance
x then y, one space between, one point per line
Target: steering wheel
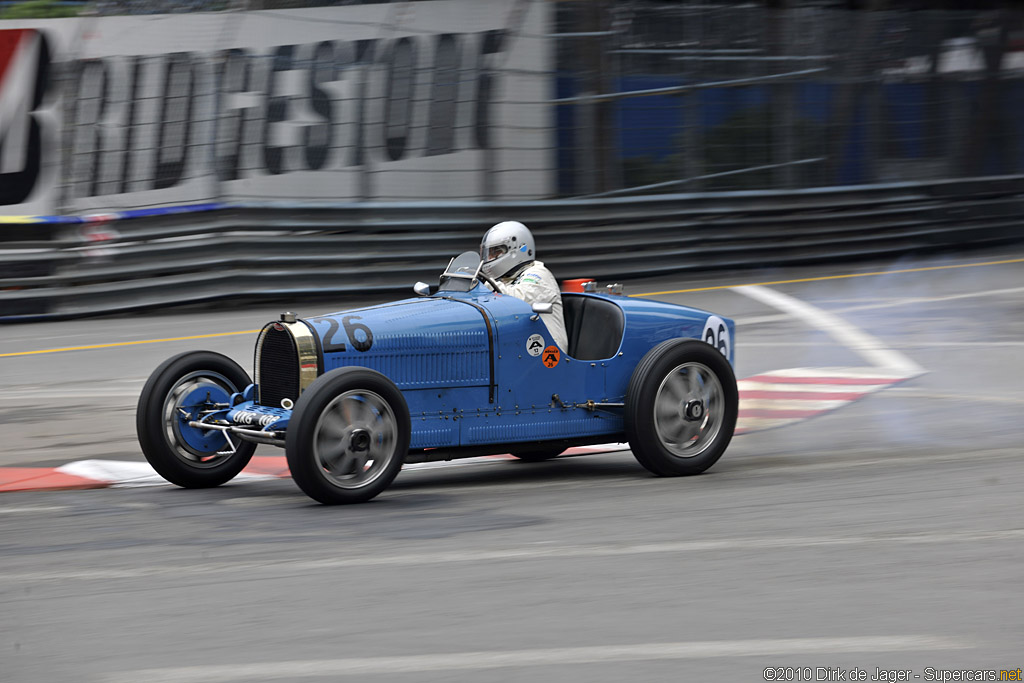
490 283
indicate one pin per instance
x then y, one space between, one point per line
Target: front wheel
681 407
348 436
181 390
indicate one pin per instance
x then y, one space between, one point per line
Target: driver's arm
538 285
529 287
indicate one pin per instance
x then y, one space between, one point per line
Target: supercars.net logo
24 82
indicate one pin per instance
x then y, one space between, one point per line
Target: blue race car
459 371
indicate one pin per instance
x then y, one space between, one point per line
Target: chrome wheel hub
187 400
694 410
354 439
689 409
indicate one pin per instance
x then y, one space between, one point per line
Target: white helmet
505 247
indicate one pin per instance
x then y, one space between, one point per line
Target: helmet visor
497 251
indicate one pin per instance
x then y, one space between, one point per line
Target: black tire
681 407
539 454
184 456
348 436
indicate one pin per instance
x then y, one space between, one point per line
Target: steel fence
237 254
666 97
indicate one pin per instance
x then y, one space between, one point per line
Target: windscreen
461 273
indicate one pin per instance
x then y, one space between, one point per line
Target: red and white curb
785 397
98 474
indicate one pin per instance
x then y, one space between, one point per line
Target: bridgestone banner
410 101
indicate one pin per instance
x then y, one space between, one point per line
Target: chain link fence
670 97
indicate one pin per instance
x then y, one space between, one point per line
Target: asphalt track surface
886 535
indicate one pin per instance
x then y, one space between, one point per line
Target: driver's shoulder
534 271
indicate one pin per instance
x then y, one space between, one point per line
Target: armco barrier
62 267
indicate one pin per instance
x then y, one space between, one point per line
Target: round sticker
551 356
534 345
716 333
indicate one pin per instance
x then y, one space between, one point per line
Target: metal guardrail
65 267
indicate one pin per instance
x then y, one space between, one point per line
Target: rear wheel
179 391
348 436
681 407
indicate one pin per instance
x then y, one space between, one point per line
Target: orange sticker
551 356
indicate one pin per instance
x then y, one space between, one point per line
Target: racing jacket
533 283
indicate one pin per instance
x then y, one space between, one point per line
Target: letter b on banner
25 75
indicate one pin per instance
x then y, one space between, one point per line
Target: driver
507 253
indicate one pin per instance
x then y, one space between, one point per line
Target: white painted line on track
910 301
928 344
882 376
750 385
81 391
532 552
909 392
66 396
782 404
759 424
923 344
862 343
762 319
883 461
497 659
31 509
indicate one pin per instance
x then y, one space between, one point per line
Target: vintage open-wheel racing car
459 371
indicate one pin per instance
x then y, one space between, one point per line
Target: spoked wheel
681 407
181 390
348 436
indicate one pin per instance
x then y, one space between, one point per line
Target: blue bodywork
474 373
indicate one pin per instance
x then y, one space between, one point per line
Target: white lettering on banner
290 122
307 104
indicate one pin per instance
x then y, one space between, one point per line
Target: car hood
417 343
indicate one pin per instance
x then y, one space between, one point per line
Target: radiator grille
278 368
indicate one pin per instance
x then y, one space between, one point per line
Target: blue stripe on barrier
116 215
38 220
170 210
